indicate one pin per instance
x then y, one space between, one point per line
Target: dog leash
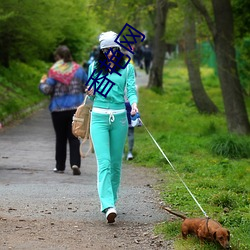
174 170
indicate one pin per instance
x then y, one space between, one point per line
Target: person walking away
66 86
130 133
147 58
109 123
139 56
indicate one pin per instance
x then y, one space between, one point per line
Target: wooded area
30 31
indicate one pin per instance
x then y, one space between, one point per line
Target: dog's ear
214 235
228 237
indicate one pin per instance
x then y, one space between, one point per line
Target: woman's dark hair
63 52
102 58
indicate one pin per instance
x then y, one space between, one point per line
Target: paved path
31 191
141 78
26 163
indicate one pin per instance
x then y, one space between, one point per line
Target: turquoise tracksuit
108 131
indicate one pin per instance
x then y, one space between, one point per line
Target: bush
231 146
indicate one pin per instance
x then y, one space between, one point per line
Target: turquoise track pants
108 135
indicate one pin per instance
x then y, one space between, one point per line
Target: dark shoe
111 214
76 170
58 171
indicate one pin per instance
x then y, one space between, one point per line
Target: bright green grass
221 185
19 87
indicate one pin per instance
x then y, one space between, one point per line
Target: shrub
223 200
231 146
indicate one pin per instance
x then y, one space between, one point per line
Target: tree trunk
201 99
235 109
159 48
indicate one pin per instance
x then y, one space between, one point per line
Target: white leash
174 170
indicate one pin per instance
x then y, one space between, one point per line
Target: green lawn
214 164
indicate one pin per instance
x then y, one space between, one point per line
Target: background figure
65 84
130 133
147 54
128 109
93 55
138 56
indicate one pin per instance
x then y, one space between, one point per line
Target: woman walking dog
109 123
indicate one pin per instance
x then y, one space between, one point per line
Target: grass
19 88
214 164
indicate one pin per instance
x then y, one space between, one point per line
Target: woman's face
108 52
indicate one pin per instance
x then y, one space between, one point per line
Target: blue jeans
108 139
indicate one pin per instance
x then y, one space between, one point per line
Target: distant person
147 54
65 84
130 127
93 55
138 56
130 133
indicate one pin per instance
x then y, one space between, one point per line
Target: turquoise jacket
125 83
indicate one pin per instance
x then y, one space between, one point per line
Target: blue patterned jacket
65 97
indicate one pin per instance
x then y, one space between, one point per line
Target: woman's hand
43 79
89 92
134 109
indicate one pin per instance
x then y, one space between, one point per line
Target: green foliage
28 33
19 87
174 25
243 60
219 183
241 17
231 146
224 200
115 14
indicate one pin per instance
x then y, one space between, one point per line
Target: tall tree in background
201 99
223 38
159 44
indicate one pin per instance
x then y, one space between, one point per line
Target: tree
159 44
28 33
223 38
201 99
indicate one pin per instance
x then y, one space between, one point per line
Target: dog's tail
175 213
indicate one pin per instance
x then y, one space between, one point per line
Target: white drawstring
111 117
110 112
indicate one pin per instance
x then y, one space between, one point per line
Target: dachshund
204 229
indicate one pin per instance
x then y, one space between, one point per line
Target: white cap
107 39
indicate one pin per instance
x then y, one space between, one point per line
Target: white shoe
130 156
58 171
111 214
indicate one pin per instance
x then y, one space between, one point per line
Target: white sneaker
111 214
58 171
130 156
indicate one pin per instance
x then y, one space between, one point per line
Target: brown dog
204 228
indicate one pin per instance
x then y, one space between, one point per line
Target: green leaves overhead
32 30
